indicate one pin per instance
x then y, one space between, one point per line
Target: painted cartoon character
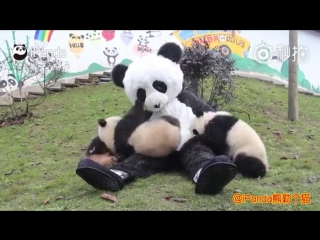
143 44
76 43
223 38
11 82
94 37
111 54
19 51
108 35
153 33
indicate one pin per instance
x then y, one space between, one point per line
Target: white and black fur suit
157 81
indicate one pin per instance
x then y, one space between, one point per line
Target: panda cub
109 126
135 134
228 135
103 152
156 138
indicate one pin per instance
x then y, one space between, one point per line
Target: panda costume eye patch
160 86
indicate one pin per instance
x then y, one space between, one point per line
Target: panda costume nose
157 106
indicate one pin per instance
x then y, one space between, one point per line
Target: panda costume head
155 79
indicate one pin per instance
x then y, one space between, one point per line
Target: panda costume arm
190 100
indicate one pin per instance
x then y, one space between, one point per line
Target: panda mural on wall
76 44
6 84
111 54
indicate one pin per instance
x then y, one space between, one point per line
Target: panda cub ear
102 122
171 51
117 74
199 113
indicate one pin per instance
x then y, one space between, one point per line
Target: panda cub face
19 51
106 131
202 119
200 122
155 79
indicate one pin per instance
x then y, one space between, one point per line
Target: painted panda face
223 38
155 79
10 82
3 84
143 40
112 52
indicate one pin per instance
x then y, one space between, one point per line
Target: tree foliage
208 72
40 70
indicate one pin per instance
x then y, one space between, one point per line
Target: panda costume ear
171 51
117 74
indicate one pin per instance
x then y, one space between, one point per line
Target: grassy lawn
38 159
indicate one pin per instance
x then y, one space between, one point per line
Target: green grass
44 154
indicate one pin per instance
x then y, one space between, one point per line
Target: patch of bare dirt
17 120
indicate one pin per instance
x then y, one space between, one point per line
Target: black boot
114 179
99 176
211 173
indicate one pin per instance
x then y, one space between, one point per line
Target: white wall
125 44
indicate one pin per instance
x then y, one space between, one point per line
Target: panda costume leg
123 172
209 172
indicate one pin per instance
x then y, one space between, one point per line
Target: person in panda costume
157 80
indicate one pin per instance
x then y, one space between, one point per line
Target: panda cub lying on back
135 134
228 135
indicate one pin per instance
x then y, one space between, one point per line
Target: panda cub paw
250 167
